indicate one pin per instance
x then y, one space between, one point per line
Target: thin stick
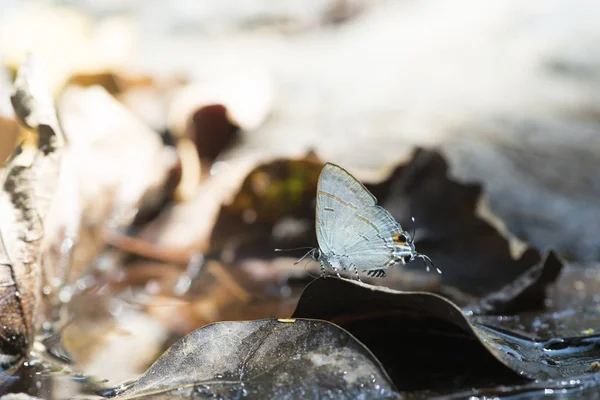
225 278
143 248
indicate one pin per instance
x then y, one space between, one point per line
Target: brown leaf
9 132
27 189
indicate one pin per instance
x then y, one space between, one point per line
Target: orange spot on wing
399 239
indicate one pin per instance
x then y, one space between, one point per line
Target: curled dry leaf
28 186
282 359
472 255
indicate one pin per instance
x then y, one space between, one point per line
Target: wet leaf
423 340
581 387
571 317
28 186
526 293
418 336
265 359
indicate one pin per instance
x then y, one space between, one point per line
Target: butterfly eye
316 254
400 239
406 259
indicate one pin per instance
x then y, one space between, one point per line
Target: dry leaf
116 170
9 132
28 186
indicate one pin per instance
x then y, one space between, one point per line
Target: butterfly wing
374 240
339 196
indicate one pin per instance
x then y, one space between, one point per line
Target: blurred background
192 94
508 90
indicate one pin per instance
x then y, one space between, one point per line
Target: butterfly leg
356 276
337 273
377 273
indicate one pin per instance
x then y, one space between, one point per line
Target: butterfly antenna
414 230
428 263
311 251
296 248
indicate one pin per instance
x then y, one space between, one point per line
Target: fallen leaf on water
265 359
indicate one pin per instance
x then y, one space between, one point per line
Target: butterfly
353 232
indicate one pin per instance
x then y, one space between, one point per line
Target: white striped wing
339 194
350 224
